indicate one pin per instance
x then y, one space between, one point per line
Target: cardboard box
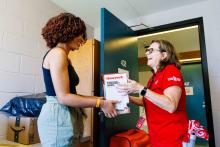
111 92
23 130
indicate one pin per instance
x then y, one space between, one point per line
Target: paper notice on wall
120 70
189 90
111 92
186 83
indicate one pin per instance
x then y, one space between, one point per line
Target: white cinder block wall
22 48
209 10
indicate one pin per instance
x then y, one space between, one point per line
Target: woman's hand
130 87
108 108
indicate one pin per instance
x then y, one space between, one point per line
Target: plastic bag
28 105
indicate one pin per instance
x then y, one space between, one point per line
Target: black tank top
73 79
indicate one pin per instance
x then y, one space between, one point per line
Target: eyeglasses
151 50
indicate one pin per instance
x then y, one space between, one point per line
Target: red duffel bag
131 138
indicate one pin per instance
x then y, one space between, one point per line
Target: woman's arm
136 100
168 101
58 64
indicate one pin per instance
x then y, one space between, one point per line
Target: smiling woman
164 97
167 51
188 38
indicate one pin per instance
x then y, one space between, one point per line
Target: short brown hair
63 28
172 58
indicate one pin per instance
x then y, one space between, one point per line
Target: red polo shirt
166 129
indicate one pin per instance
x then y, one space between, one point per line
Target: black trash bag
28 105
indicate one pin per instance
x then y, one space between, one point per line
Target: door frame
187 23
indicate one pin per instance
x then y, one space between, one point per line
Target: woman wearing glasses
164 97
60 121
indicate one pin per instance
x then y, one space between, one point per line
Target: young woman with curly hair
60 121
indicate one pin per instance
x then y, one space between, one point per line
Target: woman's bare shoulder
56 57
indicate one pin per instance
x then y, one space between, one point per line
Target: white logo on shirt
174 79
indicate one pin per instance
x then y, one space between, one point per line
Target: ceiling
184 40
89 10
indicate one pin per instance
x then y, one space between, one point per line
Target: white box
112 93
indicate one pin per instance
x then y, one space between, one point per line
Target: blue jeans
54 124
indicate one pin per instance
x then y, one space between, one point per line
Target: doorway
119 43
188 38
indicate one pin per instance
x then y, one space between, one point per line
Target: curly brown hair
63 28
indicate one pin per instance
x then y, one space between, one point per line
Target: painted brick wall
22 48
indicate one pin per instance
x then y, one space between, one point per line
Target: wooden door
86 63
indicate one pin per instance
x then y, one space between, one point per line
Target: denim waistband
52 99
